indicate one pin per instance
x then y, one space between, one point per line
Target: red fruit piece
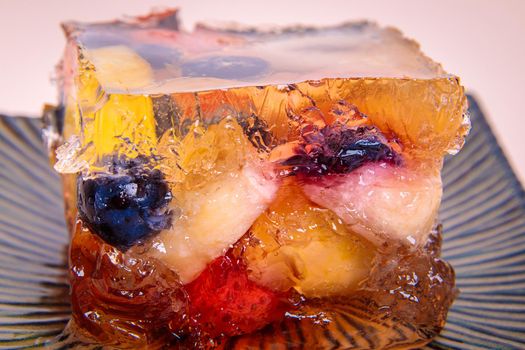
223 301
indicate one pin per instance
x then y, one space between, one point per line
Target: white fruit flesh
382 202
214 217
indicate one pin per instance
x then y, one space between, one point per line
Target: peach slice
381 202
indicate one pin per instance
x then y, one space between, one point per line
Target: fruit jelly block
254 186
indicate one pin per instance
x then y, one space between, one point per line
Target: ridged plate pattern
483 214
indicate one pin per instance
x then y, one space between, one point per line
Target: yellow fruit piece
120 68
298 244
124 125
110 123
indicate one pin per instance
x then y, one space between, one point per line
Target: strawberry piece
224 302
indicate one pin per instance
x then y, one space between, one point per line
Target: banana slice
213 219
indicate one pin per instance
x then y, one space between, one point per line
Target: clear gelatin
238 188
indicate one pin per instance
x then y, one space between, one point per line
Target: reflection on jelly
225 67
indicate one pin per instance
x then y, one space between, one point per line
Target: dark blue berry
338 149
158 56
125 209
225 67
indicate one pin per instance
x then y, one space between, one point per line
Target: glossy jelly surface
243 188
151 56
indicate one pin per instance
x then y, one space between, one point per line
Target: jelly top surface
153 55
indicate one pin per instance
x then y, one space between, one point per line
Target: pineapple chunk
298 244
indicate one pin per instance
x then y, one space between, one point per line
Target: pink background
481 41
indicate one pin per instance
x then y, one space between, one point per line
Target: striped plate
483 213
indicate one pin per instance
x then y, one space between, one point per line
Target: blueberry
125 209
158 56
225 67
338 149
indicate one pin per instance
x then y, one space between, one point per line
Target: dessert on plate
231 187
